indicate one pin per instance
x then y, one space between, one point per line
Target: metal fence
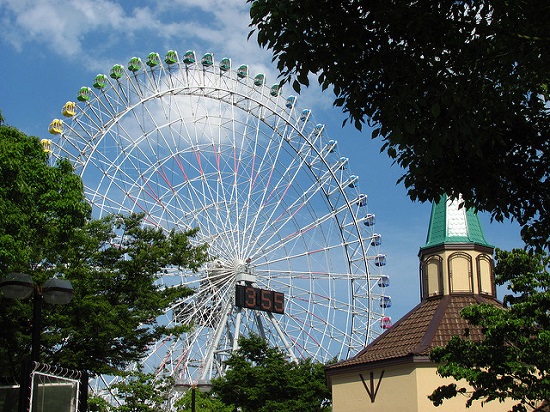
46 388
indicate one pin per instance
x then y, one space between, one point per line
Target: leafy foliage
40 206
113 264
204 402
458 90
143 393
260 379
112 318
511 362
140 392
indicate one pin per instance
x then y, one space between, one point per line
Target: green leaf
438 84
436 110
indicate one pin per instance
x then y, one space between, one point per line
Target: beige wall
397 388
404 389
450 271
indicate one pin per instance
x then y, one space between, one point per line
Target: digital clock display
259 299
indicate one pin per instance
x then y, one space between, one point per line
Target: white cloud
98 27
96 34
60 26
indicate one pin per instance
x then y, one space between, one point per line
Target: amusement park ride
191 143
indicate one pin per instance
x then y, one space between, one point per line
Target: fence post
25 386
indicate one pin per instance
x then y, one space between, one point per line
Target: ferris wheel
293 253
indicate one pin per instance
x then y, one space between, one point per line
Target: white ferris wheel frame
262 125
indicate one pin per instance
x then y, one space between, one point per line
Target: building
394 372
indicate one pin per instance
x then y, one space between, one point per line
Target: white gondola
370 219
376 239
304 117
385 302
380 260
352 181
290 102
384 281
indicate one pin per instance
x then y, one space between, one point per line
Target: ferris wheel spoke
273 242
279 206
256 201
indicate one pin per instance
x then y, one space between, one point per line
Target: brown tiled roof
432 323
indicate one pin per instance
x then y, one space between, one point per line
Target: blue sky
50 49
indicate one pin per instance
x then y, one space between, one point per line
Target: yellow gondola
46 145
69 109
56 126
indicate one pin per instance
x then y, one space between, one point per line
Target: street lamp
202 386
54 291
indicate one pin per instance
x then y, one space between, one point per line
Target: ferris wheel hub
243 272
237 270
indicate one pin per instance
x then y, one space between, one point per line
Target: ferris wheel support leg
209 360
237 328
282 336
260 325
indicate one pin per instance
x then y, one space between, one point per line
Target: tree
140 392
114 267
143 392
457 90
204 402
511 362
41 206
260 379
113 264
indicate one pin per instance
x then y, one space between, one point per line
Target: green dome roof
450 222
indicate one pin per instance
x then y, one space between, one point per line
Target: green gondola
84 94
207 60
242 71
100 81
259 79
274 91
189 57
153 59
134 64
225 64
171 57
117 72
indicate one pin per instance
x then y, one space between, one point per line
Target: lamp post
202 386
54 291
